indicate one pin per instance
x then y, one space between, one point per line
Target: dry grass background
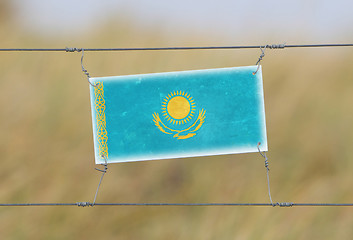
47 148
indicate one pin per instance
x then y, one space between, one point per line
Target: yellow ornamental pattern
102 135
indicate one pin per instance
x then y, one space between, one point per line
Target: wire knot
267 164
276 46
261 56
84 204
83 68
258 63
263 48
105 164
103 172
283 204
263 154
68 49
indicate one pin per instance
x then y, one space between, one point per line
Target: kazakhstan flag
178 114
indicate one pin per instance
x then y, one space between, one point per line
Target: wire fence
89 204
262 47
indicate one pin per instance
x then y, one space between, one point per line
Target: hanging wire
82 67
258 63
103 172
263 154
270 46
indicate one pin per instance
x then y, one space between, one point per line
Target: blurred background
46 141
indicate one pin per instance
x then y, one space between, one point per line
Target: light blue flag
178 114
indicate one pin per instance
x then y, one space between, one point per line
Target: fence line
269 46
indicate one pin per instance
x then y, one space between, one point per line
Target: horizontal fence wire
271 46
88 204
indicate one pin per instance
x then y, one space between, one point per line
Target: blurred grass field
47 145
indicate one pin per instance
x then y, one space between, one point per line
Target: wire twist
263 154
82 67
276 46
68 49
103 172
258 63
263 48
84 204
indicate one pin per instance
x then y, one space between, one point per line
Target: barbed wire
89 204
269 46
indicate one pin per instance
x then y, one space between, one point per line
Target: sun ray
172 111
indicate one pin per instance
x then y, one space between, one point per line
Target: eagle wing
200 119
189 132
198 123
183 134
163 128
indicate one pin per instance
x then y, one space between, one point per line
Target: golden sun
178 107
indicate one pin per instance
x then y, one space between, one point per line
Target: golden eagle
181 134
